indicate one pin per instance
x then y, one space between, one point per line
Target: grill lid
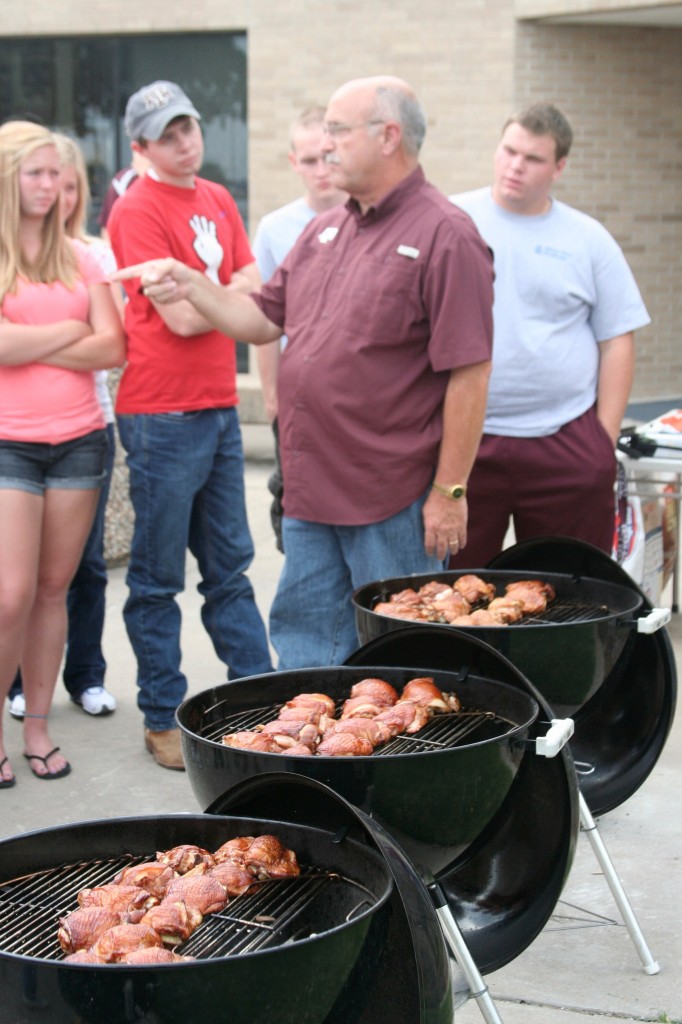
636 713
296 797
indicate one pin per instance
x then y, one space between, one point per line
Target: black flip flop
50 775
6 783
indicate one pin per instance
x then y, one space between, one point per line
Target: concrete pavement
583 967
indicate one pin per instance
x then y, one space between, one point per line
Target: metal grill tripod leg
458 948
589 826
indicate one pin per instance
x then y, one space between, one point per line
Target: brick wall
621 88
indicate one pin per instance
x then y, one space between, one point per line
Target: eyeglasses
337 128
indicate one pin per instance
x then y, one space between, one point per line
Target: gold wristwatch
455 492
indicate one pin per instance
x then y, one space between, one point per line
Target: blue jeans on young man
84 664
312 620
187 490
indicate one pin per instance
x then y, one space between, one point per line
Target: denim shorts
32 466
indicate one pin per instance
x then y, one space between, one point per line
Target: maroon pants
557 486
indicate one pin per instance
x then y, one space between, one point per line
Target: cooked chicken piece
506 609
247 740
152 876
233 849
264 856
344 744
483 617
361 707
474 589
405 717
544 588
115 943
425 694
81 928
313 714
236 879
480 617
126 899
447 605
378 690
183 858
369 728
299 750
173 920
83 956
534 600
269 858
406 597
434 587
398 611
153 955
312 700
200 892
290 732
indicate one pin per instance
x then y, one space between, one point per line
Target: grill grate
277 912
559 612
443 732
566 611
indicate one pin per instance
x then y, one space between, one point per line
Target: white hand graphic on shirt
206 245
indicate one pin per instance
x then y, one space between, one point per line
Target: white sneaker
96 700
17 706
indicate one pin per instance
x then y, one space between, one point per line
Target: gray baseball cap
152 107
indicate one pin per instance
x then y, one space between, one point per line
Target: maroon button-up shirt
378 309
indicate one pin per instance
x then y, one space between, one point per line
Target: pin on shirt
408 250
328 235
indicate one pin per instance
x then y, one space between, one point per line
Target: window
80 85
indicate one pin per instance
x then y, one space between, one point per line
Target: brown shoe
165 748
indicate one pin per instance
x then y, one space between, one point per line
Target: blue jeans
312 621
84 665
187 490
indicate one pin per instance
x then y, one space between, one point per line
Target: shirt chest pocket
381 299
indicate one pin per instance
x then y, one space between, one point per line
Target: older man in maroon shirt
386 302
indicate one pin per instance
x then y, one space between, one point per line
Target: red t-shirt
202 227
378 309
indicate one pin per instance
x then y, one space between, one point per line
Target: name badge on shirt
328 235
408 250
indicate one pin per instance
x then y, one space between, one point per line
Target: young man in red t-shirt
177 418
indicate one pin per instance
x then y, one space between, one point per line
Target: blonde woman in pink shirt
58 323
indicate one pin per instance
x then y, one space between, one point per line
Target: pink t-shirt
45 403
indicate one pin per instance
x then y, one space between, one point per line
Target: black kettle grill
602 654
488 820
599 654
353 938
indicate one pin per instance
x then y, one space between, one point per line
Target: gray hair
394 103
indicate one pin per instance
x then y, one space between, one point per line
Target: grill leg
456 944
589 827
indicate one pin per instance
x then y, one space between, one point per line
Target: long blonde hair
70 155
56 260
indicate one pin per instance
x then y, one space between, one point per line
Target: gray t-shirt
276 234
562 285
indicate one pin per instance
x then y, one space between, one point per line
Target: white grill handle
652 622
560 732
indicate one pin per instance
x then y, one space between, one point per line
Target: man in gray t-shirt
566 308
